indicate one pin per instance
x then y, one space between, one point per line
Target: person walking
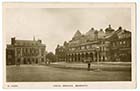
88 66
89 63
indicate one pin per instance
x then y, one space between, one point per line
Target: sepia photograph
69 45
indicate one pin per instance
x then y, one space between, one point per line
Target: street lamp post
97 50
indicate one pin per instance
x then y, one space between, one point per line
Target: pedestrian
88 66
89 63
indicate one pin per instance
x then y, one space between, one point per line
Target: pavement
106 66
57 73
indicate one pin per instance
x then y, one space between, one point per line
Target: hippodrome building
25 52
107 45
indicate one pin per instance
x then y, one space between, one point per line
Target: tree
51 57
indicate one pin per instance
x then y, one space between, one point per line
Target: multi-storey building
25 52
61 51
107 45
121 45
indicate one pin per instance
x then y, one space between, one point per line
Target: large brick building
25 52
102 45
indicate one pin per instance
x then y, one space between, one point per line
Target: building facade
60 53
121 45
25 52
108 45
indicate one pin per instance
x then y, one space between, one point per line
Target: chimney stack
13 40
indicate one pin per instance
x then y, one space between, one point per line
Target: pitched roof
101 34
90 32
77 34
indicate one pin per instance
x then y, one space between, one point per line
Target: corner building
25 52
109 45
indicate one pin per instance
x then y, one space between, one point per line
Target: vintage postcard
69 45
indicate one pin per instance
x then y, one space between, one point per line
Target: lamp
98 50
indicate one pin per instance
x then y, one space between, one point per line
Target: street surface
69 72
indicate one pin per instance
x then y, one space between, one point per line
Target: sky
56 25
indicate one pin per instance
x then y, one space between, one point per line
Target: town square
97 59
68 45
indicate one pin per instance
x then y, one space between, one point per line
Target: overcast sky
56 25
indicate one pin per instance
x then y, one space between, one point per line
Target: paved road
41 73
106 66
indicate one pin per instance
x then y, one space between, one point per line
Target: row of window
61 50
27 44
87 47
32 60
114 44
121 43
82 47
125 36
29 51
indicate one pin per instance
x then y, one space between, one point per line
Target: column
93 56
77 57
69 58
72 57
84 56
80 57
95 59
